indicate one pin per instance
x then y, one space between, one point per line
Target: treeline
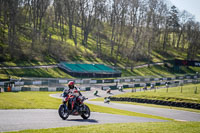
132 29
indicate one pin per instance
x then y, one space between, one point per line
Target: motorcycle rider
72 89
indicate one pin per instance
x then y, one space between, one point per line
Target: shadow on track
97 95
82 120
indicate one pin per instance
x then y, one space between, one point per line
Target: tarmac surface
15 120
179 115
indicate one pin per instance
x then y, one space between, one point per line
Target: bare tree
193 37
174 23
184 18
87 8
100 10
137 35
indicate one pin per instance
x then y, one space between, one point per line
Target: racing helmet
71 84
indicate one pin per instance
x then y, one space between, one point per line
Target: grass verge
188 93
150 127
28 100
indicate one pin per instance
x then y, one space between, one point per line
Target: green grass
47 61
159 71
28 100
148 127
42 100
173 94
37 72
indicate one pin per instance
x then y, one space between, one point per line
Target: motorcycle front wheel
86 112
63 113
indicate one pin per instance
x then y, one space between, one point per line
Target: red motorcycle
73 105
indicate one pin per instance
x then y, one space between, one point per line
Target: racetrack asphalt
179 115
15 120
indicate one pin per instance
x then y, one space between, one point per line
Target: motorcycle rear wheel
86 112
63 113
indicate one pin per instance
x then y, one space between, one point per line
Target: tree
184 18
69 13
193 37
174 23
100 10
87 18
137 34
60 17
165 28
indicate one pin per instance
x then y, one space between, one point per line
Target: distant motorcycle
108 91
79 108
96 93
107 100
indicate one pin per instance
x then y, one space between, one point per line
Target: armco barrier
169 78
44 89
137 85
108 81
148 84
28 82
60 89
158 102
2 83
114 87
105 87
45 82
87 88
99 81
34 89
157 83
125 86
25 89
37 82
49 81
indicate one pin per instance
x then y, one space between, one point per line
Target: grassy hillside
55 48
37 72
154 71
66 50
159 71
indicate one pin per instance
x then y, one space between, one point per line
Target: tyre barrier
158 102
40 81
